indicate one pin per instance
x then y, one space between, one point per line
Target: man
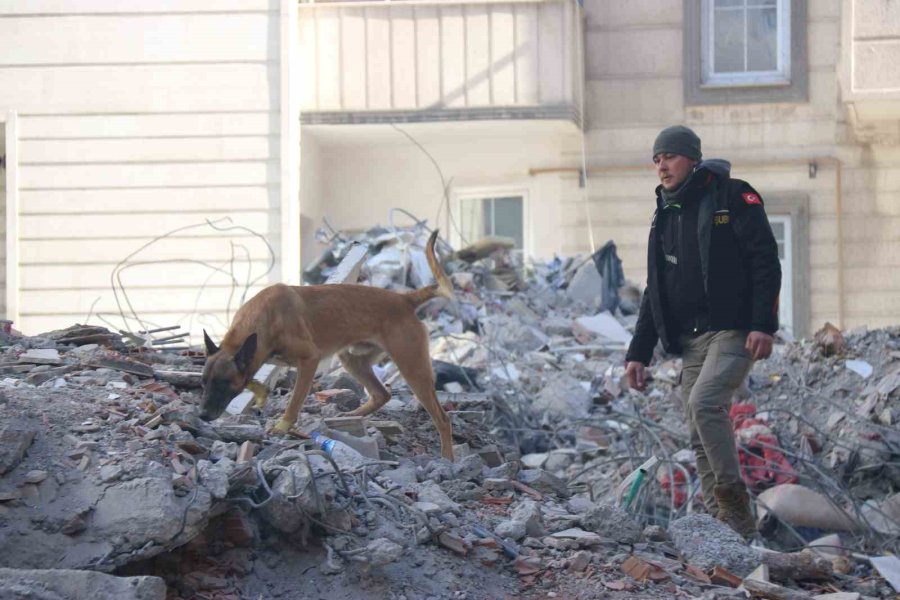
712 296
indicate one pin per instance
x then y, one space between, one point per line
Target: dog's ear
211 347
244 356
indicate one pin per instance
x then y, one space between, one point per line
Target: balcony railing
440 60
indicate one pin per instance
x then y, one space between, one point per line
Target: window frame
698 94
483 193
796 206
780 76
786 219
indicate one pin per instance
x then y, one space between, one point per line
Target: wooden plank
207 200
87 7
214 321
478 65
97 277
308 57
121 150
403 51
88 226
568 50
79 302
353 59
110 251
428 56
158 175
329 57
125 89
527 59
503 54
141 39
148 126
453 56
378 53
550 50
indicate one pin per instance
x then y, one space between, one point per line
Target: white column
12 217
290 145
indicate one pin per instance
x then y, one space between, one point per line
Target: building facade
801 96
126 128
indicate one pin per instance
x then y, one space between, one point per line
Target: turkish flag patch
751 198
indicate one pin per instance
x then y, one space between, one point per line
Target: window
746 42
745 51
781 227
494 216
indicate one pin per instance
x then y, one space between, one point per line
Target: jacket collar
704 172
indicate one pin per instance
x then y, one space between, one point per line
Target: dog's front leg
306 371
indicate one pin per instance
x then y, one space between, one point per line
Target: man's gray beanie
678 139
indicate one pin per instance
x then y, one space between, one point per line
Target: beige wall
312 177
367 170
136 119
635 88
2 223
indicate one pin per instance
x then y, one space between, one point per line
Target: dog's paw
260 394
281 427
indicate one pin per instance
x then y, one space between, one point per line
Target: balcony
427 61
870 79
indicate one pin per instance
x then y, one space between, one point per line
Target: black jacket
739 261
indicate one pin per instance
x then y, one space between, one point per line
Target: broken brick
453 542
642 570
722 576
528 565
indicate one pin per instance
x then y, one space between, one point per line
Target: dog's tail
443 287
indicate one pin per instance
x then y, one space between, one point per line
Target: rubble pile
565 483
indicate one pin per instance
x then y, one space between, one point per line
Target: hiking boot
734 508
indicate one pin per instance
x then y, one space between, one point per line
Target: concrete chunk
14 442
64 584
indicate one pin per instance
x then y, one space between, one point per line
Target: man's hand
634 374
759 344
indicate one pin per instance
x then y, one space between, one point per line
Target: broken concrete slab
529 512
604 326
542 481
41 356
147 517
430 491
15 439
512 529
63 584
579 536
611 522
563 396
706 543
889 568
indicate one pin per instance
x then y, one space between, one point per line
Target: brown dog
299 326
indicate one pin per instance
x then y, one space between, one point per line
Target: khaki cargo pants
714 365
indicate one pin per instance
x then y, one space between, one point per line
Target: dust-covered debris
108 468
62 584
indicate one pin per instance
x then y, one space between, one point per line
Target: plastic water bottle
345 456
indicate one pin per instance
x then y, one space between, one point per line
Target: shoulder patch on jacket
751 198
